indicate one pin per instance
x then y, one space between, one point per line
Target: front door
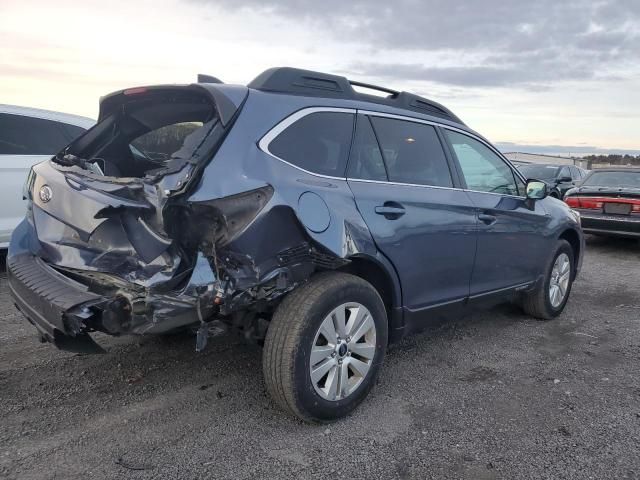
403 187
512 246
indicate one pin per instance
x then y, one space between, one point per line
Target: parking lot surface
495 395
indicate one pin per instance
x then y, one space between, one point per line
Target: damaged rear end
111 242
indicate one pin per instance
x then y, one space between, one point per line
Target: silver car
28 136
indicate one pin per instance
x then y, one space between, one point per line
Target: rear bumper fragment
54 304
602 224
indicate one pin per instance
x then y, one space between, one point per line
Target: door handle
390 210
487 219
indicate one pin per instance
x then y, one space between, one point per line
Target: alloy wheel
343 351
559 283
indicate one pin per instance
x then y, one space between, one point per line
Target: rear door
512 240
24 141
405 191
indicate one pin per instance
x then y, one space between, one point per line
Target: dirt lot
496 395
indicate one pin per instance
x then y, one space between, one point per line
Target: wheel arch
571 236
382 276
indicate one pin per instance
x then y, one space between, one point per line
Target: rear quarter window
318 142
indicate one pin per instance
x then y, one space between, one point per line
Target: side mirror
536 190
565 180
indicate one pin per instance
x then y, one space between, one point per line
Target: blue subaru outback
321 221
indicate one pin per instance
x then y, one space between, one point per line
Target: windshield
539 172
613 179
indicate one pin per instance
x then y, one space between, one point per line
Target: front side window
22 135
575 173
318 142
412 152
483 169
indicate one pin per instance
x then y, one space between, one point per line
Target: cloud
477 75
574 150
486 43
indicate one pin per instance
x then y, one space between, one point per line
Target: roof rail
316 84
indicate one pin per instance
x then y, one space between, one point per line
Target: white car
28 136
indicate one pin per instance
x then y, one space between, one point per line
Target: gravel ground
494 395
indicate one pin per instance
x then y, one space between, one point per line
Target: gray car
321 222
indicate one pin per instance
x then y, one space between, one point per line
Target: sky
547 76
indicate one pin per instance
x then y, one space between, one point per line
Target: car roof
77 120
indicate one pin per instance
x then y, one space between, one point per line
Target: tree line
614 159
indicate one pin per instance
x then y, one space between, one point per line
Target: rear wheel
551 296
325 346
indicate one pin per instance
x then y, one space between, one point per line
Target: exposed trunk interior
150 132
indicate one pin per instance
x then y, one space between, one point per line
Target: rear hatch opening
103 212
145 133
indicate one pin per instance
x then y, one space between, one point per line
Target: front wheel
325 346
548 300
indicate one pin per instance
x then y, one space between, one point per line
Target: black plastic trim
296 81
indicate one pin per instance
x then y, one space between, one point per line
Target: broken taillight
217 221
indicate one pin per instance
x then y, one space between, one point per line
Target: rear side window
318 142
412 152
22 135
483 170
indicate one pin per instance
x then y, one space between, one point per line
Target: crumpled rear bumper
54 304
65 311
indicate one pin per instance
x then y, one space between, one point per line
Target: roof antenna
202 78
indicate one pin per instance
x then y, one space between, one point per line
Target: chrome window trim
430 186
266 140
403 184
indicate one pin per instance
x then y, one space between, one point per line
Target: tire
539 303
295 330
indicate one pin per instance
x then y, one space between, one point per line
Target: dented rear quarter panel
240 165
